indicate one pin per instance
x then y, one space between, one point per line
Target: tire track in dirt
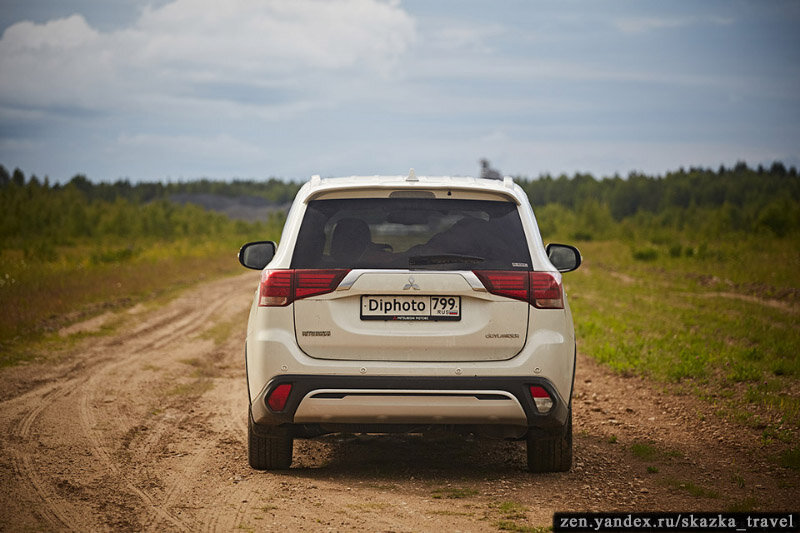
54 395
54 512
229 407
243 498
174 491
96 370
100 452
31 407
228 426
188 323
188 472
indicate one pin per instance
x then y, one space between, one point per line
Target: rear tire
551 454
273 452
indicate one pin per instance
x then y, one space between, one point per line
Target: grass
512 510
453 493
650 453
369 506
691 488
720 324
509 525
451 513
192 389
790 458
45 297
42 293
510 515
646 452
743 506
221 331
203 368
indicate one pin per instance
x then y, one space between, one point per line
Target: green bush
645 254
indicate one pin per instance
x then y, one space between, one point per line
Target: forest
714 202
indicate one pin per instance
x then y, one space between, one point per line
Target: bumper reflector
542 400
278 397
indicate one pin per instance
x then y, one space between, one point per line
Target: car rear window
397 233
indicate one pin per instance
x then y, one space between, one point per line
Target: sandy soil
144 430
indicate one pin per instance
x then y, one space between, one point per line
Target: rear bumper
388 400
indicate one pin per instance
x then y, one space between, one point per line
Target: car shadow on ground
423 456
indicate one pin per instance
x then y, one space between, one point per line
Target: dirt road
144 430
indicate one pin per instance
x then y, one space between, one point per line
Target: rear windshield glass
425 234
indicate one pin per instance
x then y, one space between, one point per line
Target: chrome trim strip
352 276
410 407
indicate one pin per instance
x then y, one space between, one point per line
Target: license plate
410 308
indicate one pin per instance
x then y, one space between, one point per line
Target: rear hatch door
411 316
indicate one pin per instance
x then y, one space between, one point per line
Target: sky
176 90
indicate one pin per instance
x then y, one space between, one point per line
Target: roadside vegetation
69 252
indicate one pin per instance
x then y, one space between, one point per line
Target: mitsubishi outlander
401 303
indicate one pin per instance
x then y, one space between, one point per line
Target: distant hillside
247 208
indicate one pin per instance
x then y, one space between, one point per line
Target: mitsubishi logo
411 284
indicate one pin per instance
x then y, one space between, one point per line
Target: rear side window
429 234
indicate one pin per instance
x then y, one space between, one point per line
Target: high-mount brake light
282 287
541 398
540 289
279 396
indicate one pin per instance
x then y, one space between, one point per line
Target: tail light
276 288
282 287
505 283
540 289
546 290
542 400
279 396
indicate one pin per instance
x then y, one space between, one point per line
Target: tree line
738 186
739 198
273 190
35 215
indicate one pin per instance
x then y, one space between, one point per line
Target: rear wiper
442 259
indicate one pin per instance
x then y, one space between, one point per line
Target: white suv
399 303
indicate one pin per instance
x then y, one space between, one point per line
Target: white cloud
66 62
465 38
54 64
257 37
67 33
